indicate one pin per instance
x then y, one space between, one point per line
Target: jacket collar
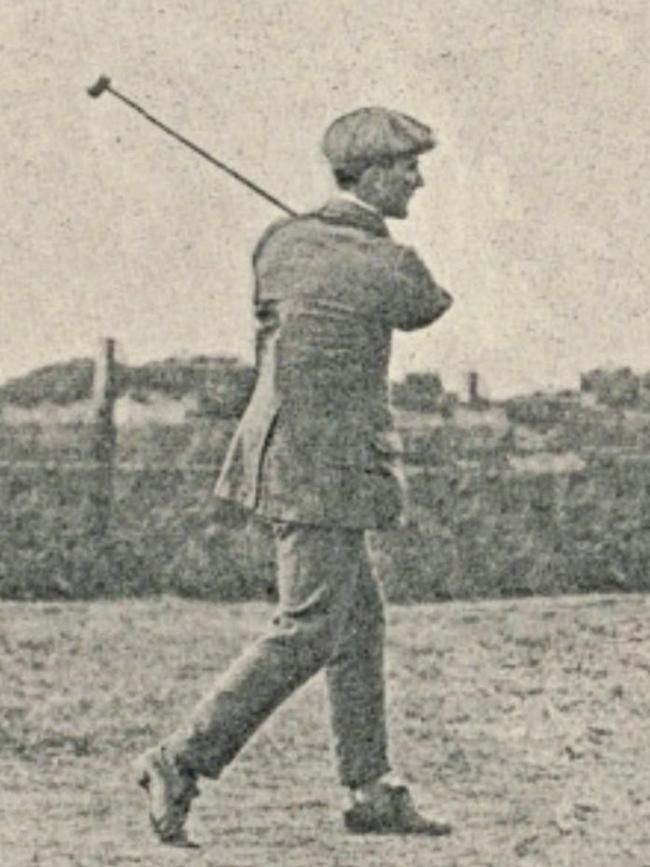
347 212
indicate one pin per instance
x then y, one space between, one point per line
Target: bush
477 530
57 383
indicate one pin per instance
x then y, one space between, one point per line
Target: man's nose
418 181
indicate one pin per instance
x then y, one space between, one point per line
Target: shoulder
321 238
287 230
269 232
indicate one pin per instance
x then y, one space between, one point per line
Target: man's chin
397 212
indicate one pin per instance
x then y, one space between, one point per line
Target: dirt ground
524 722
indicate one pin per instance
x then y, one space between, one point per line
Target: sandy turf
527 723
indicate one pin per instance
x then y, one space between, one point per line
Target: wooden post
104 436
472 388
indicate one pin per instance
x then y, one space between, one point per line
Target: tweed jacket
314 444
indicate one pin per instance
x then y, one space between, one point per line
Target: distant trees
60 384
615 388
540 411
225 392
419 392
222 385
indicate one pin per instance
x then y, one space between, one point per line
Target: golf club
103 84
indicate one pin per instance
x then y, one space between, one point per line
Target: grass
523 721
479 528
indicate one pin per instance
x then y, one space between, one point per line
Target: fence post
104 437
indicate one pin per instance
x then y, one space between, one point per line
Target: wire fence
95 511
471 531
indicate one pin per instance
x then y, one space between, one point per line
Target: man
313 456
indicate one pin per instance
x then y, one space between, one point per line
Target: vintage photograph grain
325 434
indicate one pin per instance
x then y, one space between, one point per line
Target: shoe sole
429 830
399 832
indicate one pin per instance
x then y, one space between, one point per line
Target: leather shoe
170 791
391 811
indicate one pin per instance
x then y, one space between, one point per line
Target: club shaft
203 153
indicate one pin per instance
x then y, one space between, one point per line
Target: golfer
314 456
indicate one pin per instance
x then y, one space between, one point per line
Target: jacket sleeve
407 295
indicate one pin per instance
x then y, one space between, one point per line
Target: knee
321 642
311 642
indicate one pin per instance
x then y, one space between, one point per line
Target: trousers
330 614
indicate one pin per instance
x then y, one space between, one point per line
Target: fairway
525 722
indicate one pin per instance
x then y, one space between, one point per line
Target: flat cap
368 135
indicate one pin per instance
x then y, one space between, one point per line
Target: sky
534 214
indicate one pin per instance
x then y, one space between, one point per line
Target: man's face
390 187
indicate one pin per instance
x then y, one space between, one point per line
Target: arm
307 260
398 286
411 297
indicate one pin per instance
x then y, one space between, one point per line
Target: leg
355 680
315 592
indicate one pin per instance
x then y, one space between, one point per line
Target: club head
102 84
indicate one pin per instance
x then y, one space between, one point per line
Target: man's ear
370 179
